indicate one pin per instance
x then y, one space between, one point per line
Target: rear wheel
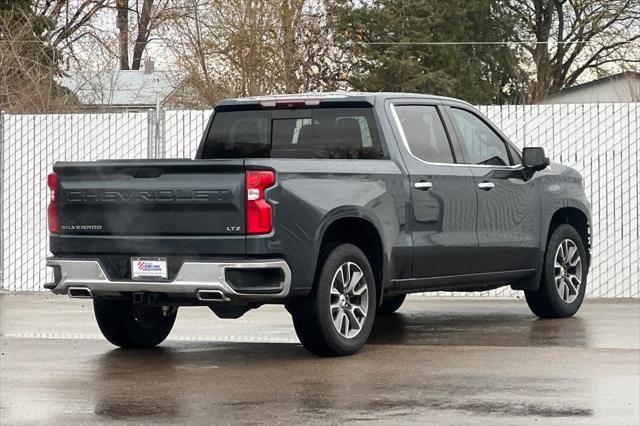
133 326
336 319
391 304
564 276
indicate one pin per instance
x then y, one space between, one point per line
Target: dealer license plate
145 268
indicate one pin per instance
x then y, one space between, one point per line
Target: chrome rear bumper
202 280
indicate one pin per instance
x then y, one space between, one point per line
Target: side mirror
534 159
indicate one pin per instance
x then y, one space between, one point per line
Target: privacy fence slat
599 140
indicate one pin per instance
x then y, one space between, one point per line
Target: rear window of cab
322 133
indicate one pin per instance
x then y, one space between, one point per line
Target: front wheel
337 318
564 276
133 326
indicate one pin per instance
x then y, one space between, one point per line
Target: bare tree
72 21
147 19
149 16
290 18
122 25
573 37
243 48
226 47
86 22
321 65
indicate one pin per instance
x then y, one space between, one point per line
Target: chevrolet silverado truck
333 205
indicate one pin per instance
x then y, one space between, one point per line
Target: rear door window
424 132
309 133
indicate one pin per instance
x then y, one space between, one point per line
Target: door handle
422 185
487 186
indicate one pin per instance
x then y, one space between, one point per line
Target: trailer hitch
145 298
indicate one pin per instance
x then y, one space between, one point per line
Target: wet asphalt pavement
438 361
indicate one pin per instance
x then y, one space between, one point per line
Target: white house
623 87
121 89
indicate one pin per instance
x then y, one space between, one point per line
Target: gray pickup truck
335 205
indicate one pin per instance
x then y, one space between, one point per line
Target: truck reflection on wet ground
437 361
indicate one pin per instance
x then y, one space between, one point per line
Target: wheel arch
571 215
578 219
361 231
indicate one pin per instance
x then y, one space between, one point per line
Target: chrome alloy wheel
568 270
349 300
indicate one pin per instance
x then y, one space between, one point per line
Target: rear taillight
52 209
258 211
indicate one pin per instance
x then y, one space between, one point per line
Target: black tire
313 318
390 304
546 302
132 326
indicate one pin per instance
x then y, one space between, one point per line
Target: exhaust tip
212 296
80 293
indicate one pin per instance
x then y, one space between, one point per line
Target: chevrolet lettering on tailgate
160 195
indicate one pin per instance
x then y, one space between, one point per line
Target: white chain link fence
600 140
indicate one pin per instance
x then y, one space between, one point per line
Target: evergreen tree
28 63
19 15
386 35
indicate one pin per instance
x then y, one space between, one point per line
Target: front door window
480 144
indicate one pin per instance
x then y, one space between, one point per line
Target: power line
426 43
466 43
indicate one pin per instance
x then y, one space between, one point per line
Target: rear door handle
423 186
487 186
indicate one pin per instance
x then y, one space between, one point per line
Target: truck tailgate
151 198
